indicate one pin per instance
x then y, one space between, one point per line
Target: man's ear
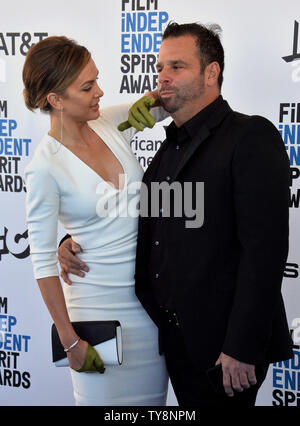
212 72
54 100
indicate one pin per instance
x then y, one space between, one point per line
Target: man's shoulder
250 120
240 124
253 133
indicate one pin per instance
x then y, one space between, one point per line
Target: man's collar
210 116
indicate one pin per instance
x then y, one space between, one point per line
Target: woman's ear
54 100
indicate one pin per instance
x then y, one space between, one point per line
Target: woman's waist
92 245
106 255
94 233
114 270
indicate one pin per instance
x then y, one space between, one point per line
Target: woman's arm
53 296
118 115
42 206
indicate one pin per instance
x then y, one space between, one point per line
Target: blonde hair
51 65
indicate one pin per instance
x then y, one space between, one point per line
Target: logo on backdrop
294 57
286 374
289 128
14 244
143 147
12 44
291 270
12 346
13 149
141 36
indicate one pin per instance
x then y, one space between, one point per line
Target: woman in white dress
81 165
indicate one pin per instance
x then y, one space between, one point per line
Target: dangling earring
61 125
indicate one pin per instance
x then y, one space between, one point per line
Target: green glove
92 361
139 113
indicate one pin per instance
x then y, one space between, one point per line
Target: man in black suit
213 286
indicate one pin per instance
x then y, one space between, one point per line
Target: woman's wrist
75 343
67 336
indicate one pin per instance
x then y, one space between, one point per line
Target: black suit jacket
226 275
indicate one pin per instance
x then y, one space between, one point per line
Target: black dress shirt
174 147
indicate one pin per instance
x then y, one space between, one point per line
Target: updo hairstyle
51 65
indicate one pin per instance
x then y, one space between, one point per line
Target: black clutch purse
104 336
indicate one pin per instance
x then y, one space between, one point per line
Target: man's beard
180 97
171 105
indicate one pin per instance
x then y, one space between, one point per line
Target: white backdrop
257 80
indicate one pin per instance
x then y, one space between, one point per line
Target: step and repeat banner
262 76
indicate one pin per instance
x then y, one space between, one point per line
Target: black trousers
192 386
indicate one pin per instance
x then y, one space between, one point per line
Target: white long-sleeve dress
62 187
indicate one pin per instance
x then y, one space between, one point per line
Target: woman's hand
76 355
83 357
69 263
139 115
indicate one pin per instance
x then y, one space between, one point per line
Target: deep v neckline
110 184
